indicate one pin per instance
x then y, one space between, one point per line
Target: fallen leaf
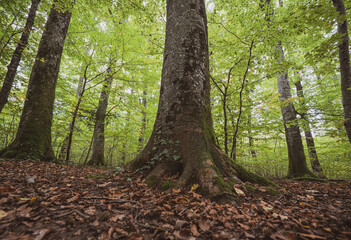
204 225
73 199
3 214
194 231
239 192
42 233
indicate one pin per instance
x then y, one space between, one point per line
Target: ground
48 201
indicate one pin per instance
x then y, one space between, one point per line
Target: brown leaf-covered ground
49 201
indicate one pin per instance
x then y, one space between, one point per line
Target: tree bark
183 141
297 159
312 152
345 66
143 122
17 54
97 157
33 139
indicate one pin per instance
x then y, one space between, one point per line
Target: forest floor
49 201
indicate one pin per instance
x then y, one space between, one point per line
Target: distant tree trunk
7 28
33 139
97 157
345 66
67 142
183 141
143 122
251 139
297 159
17 54
73 122
312 152
89 149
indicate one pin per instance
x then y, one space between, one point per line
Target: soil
41 200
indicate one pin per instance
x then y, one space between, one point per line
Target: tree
183 142
97 157
345 66
312 152
17 54
297 158
33 138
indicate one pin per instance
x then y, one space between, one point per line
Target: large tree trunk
297 159
312 152
345 66
17 54
97 157
183 141
33 139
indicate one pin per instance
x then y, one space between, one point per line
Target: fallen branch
113 200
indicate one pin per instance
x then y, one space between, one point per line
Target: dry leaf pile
49 201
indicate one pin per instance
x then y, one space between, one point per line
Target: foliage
128 37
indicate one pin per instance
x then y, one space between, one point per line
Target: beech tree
345 65
33 138
17 54
297 158
97 157
183 141
312 152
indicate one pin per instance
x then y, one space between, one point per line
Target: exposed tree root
202 163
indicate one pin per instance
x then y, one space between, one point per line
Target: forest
174 119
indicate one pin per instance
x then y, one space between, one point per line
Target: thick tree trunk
33 139
183 140
312 152
297 159
17 54
97 157
345 66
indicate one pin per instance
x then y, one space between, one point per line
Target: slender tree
183 142
297 159
17 54
345 66
312 152
97 157
143 121
33 138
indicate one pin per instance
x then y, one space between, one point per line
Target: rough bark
97 157
297 159
312 152
183 141
17 54
33 138
345 66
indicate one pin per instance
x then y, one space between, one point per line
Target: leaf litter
48 201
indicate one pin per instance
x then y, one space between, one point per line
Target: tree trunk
312 152
251 139
67 142
143 122
97 157
183 142
297 159
17 54
33 139
345 66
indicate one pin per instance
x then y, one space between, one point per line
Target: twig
73 211
114 200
